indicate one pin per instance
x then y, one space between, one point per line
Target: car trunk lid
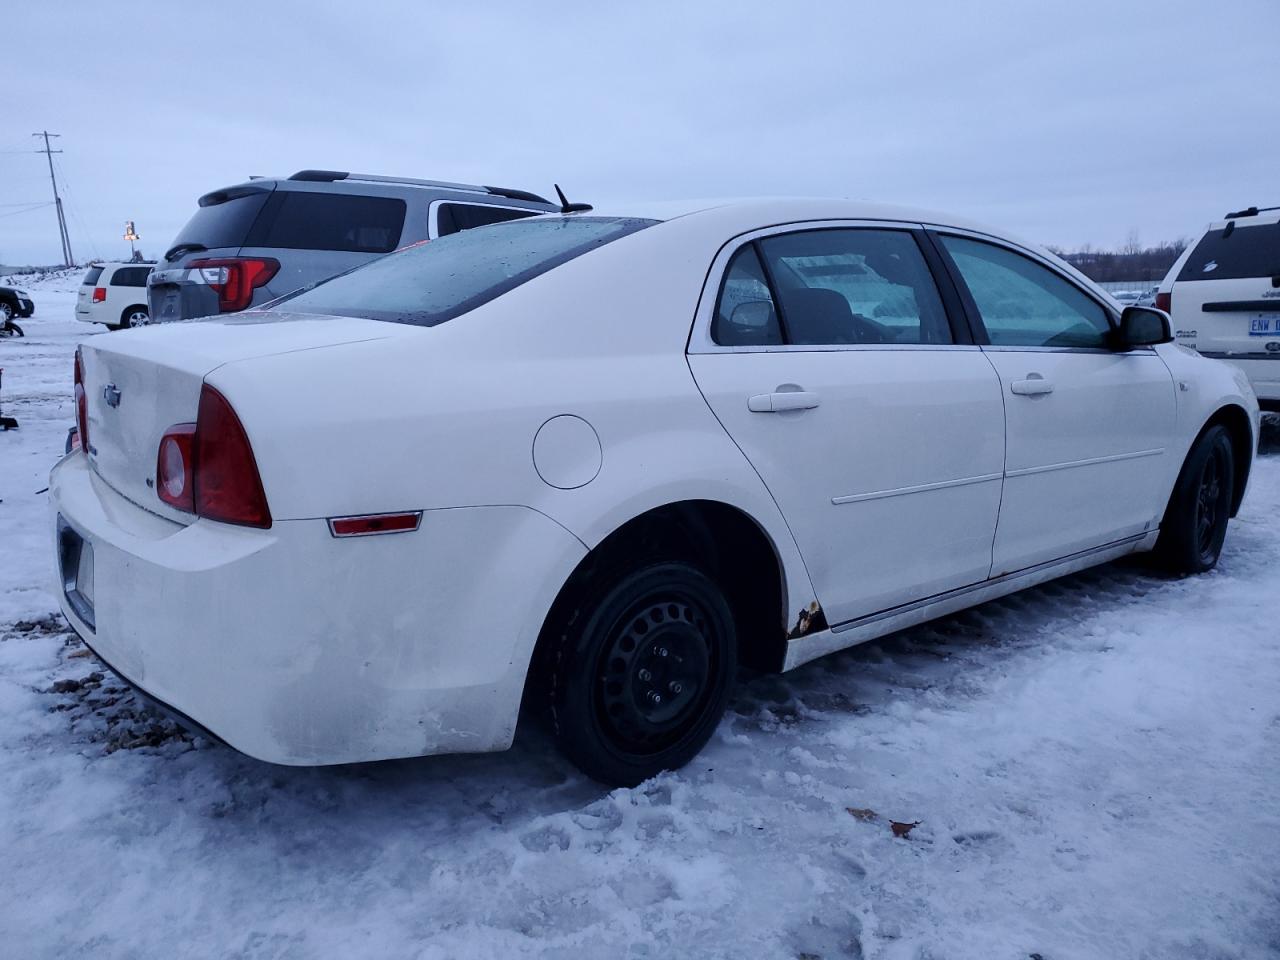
139 383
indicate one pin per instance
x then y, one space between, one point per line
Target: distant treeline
1131 262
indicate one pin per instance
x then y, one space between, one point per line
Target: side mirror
752 313
1143 327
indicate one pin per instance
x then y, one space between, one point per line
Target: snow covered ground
1094 765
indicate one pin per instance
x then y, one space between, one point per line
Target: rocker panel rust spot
811 619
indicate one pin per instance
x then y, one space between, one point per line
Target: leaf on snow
902 829
865 814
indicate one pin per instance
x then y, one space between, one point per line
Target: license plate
75 558
169 310
84 572
1264 325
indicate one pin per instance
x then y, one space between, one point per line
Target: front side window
436 281
1024 304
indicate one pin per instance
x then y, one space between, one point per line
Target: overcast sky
1067 123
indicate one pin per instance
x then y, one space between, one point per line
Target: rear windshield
298 220
1246 252
222 220
91 276
433 282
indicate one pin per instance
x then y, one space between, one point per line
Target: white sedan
592 463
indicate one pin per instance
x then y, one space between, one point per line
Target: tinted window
452 217
130 277
91 276
432 282
1023 303
328 221
1248 251
854 286
745 313
223 219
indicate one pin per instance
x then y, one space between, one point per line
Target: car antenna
566 206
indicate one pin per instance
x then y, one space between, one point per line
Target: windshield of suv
1247 251
433 282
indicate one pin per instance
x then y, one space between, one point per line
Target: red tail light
1164 301
175 467
82 405
99 294
208 467
235 278
227 484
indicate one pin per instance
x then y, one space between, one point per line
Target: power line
67 259
74 206
37 206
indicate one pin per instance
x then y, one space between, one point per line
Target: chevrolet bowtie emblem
111 395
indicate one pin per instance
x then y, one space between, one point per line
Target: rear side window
91 276
297 220
433 282
854 286
452 217
1247 251
130 277
223 219
1025 304
745 313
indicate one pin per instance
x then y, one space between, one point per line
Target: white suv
115 294
1223 295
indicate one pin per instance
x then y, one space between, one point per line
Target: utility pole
67 259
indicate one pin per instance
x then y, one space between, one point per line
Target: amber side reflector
375 523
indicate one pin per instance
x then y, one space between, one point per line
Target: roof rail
329 176
1249 212
513 194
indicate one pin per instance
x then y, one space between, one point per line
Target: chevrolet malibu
590 464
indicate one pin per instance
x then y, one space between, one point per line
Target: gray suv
259 240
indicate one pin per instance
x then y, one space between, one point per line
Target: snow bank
1092 765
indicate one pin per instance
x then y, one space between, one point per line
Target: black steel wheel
640 671
1195 522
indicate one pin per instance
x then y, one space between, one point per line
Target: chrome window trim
700 341
1013 348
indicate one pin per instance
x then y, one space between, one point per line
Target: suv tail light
234 279
82 405
208 468
1164 301
99 294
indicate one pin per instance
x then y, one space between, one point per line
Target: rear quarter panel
448 417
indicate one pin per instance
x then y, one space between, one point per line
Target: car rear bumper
298 648
1262 370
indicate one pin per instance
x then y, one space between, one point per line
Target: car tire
135 316
6 314
1195 522
638 670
